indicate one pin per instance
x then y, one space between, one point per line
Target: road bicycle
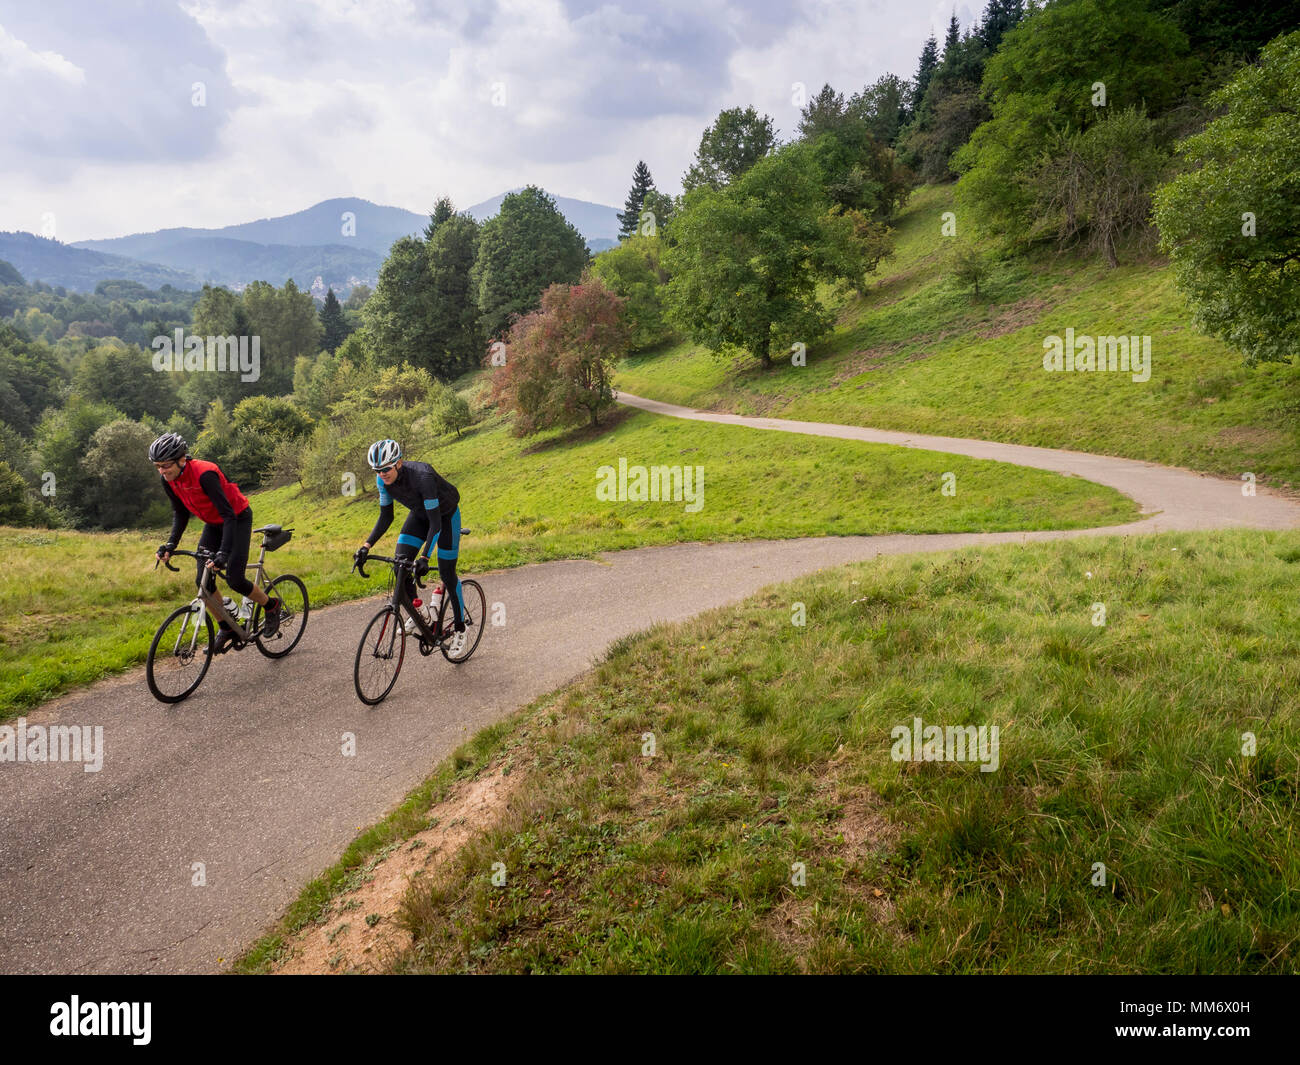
182 648
383 645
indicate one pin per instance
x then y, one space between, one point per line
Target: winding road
248 777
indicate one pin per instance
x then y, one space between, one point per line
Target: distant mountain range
336 243
42 259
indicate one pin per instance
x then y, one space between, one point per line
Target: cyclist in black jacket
434 506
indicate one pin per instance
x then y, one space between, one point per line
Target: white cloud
391 100
18 60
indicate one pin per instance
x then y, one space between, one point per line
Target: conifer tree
925 70
334 321
442 210
630 217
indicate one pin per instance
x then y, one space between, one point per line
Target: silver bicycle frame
216 605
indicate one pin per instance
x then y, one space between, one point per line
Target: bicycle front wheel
180 654
475 612
293 616
379 657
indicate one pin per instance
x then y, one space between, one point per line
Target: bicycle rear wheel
293 616
179 655
379 657
475 612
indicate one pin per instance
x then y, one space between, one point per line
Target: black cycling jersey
419 487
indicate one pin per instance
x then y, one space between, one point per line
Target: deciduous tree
561 360
527 247
1231 224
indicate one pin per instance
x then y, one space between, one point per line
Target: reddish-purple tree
559 360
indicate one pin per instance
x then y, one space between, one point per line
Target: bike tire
384 641
297 610
156 665
475 613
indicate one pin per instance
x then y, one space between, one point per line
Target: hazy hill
81 269
236 262
337 240
373 228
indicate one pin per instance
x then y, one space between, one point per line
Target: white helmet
384 453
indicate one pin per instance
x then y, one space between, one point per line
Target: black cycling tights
414 531
210 540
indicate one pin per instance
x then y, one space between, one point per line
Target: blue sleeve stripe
430 504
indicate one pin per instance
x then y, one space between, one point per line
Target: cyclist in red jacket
200 488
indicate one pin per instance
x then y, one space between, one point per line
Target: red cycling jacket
196 501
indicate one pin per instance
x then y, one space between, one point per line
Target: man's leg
448 551
410 540
237 573
210 540
237 563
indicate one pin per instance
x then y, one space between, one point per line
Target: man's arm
385 513
180 516
211 484
429 493
435 526
381 526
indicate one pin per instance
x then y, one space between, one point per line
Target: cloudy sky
136 115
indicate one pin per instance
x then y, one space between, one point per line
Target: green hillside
921 354
1139 818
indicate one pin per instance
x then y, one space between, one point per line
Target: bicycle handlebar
201 554
359 565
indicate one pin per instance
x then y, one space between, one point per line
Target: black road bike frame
401 600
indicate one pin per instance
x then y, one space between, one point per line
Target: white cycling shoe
456 644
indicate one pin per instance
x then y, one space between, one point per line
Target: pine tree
925 70
630 217
999 17
442 210
334 321
455 341
953 39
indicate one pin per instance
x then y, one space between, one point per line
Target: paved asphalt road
248 775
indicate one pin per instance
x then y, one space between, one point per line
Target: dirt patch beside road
360 932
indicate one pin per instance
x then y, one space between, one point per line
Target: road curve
1175 499
98 871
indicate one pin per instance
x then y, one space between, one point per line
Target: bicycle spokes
379 656
179 655
294 609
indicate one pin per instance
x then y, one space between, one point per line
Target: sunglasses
385 469
160 466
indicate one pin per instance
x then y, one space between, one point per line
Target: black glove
219 560
421 566
359 555
165 549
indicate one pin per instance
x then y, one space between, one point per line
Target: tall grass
1124 830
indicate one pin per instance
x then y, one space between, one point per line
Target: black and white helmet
384 453
167 448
